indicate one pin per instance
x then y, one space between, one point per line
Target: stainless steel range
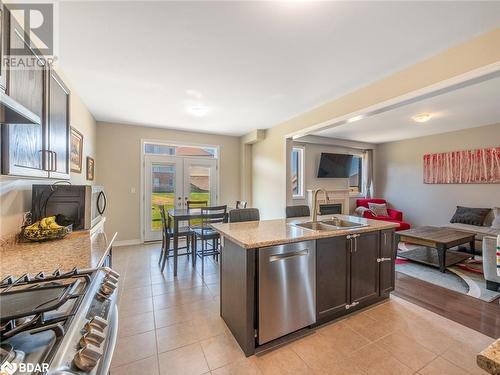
64 323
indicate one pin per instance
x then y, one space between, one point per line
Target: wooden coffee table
441 239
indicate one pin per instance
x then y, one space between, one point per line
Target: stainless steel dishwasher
287 289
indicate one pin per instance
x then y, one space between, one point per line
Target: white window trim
301 173
362 193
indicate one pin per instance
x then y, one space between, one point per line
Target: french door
172 181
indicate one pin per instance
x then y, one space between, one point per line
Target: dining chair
244 214
241 204
196 204
167 233
209 215
195 223
297 211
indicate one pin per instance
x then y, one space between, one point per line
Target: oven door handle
113 334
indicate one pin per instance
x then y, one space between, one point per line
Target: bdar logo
8 368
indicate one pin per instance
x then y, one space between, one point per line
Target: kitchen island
278 276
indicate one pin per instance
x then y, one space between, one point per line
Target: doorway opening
174 174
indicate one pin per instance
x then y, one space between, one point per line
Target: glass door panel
162 186
171 181
200 180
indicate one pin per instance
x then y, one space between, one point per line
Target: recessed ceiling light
356 118
198 110
422 117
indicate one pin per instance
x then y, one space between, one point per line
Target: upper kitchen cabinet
3 79
23 144
58 130
35 150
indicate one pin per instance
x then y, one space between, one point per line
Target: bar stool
297 211
244 214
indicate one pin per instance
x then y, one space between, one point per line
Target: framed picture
90 168
76 150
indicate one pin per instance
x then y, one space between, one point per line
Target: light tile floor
172 326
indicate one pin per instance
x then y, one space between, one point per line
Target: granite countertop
489 358
78 249
254 234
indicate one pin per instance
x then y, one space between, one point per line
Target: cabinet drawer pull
347 307
379 260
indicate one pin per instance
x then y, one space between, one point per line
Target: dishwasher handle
274 258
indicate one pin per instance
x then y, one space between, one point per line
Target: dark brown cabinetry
364 267
387 261
332 273
35 150
58 130
3 79
350 273
22 144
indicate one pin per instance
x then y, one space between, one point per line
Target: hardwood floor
471 312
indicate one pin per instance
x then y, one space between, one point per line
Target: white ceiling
251 64
468 107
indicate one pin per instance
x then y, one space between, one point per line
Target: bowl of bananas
44 230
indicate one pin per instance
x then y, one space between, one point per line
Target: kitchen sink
343 224
315 226
335 224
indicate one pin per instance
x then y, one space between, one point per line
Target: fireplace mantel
335 196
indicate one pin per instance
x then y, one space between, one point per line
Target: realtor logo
37 21
8 368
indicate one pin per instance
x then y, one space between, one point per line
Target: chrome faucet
314 213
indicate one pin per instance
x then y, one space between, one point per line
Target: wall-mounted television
334 165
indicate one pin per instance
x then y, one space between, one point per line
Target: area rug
465 277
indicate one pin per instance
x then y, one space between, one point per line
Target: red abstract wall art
463 167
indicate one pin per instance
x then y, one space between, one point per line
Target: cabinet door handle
54 161
380 260
355 244
347 307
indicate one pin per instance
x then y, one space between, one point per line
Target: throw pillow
378 209
496 221
469 215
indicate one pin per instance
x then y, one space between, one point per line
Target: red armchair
394 215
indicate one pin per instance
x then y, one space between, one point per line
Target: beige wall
400 176
269 161
119 160
15 193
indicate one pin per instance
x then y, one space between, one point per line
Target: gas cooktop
63 323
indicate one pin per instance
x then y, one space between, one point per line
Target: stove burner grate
29 303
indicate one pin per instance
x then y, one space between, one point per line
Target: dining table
178 215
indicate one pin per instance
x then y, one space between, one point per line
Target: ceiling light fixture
422 117
198 110
356 118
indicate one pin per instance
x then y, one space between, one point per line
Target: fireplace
330 208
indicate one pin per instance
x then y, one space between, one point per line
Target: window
179 150
297 172
355 175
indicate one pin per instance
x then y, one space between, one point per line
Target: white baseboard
127 242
